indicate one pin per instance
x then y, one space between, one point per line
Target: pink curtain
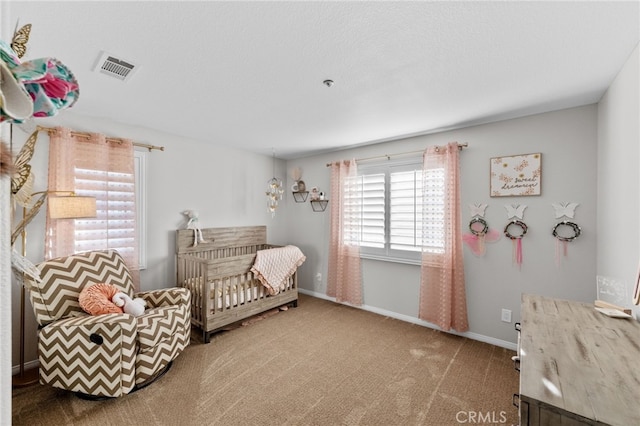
442 289
93 166
344 281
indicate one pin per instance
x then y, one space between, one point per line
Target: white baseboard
474 336
27 366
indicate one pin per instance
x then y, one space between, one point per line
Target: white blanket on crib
273 267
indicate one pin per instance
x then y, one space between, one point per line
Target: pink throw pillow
96 299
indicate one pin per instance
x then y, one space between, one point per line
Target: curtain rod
388 156
117 140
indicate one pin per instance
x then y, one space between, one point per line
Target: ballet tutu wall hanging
515 230
564 231
479 231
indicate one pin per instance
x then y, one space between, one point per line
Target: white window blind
115 223
405 210
364 211
121 207
394 215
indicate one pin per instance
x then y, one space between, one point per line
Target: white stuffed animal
131 306
194 224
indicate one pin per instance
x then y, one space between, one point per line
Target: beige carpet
318 364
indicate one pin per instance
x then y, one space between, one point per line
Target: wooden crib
217 272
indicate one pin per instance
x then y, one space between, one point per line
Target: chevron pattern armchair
106 355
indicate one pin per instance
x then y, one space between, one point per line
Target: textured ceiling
249 74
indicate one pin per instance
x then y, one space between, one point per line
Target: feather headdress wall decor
299 185
296 174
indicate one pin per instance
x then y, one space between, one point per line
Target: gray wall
619 179
567 140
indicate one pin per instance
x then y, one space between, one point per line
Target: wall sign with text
517 175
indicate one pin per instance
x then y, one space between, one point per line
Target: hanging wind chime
275 190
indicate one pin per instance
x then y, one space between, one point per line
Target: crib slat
224 290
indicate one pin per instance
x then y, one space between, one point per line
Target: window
392 214
120 203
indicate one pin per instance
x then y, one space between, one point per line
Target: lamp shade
72 207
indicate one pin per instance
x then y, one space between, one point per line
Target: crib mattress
229 296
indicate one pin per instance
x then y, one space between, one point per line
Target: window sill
416 262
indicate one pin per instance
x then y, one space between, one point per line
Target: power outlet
506 315
319 276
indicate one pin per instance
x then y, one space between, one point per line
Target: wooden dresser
577 365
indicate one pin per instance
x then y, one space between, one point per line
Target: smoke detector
115 67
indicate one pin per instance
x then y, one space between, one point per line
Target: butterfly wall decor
477 209
515 210
22 179
565 209
20 40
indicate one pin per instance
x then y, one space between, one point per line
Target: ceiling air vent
115 67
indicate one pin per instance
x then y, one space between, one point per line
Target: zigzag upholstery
105 355
63 278
70 360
